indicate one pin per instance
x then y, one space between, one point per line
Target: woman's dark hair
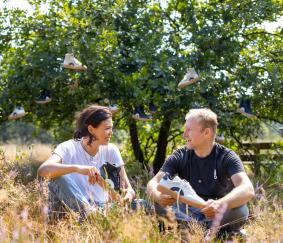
91 115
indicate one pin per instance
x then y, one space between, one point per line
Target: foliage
22 133
136 52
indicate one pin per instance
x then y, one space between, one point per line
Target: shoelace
178 207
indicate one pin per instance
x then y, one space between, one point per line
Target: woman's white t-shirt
72 152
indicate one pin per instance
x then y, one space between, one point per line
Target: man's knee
235 218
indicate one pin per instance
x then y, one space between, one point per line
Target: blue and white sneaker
17 113
113 108
245 108
181 190
140 115
44 98
111 174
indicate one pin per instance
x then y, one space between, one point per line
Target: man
215 173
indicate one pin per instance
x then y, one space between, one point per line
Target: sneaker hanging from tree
70 62
190 77
44 97
17 113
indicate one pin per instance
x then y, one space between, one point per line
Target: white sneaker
18 112
113 108
71 62
180 190
220 139
190 77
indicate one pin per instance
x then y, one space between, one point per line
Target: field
23 206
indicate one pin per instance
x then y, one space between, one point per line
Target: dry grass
23 212
34 152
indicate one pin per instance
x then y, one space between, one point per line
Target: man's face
194 133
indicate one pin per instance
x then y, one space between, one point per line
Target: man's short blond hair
205 117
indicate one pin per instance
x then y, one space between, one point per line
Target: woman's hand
90 171
129 194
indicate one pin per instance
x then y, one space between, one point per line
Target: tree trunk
161 144
135 141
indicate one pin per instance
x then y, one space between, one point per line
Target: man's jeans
232 220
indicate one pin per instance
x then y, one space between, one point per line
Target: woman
75 165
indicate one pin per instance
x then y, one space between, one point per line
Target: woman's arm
53 168
126 185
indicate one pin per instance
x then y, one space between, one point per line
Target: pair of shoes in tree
140 115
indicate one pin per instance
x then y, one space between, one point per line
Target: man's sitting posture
214 172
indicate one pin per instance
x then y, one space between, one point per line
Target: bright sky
24 5
21 4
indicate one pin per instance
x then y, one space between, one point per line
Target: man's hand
90 171
164 200
211 208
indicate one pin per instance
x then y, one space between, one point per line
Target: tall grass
23 212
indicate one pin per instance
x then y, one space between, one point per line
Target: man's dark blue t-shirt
210 176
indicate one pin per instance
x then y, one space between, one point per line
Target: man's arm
152 192
240 195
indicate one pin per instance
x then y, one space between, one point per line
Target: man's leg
235 218
64 192
182 212
232 220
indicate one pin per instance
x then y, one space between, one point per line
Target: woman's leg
64 193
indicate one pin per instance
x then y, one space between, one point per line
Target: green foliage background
136 52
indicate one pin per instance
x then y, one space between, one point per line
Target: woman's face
103 132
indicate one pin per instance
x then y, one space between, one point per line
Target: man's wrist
155 195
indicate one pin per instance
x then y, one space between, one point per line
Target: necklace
86 149
88 157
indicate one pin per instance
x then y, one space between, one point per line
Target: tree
136 52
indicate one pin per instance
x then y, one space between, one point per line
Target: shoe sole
246 114
175 195
16 117
78 68
141 119
43 102
185 84
113 111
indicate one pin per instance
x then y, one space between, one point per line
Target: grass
23 211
